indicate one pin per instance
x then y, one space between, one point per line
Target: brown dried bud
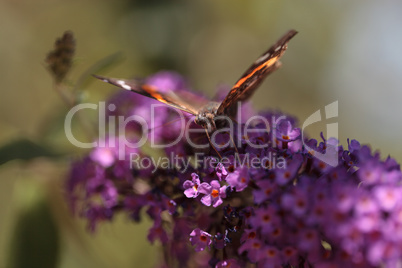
59 60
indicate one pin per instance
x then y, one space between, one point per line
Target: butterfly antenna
163 125
206 131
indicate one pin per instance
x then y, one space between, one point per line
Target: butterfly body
209 114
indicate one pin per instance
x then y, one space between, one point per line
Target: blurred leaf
97 67
24 149
35 241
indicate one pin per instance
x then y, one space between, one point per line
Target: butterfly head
206 117
206 121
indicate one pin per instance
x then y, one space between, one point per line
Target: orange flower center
215 193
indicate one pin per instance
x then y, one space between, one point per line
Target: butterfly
208 113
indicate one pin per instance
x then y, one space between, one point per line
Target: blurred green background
348 51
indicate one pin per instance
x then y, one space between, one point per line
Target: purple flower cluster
277 205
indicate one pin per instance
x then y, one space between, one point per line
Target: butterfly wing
180 99
252 78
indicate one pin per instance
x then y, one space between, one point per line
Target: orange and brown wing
252 78
180 99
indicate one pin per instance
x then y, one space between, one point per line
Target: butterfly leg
234 144
206 131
